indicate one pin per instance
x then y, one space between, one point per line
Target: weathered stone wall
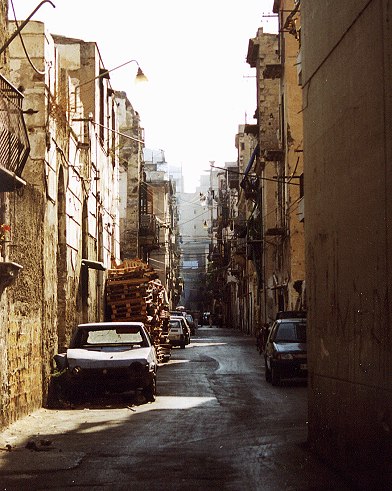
24 341
268 123
267 91
66 212
130 154
3 202
291 136
3 34
249 303
31 309
348 152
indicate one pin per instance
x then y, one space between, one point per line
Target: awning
93 264
250 163
251 160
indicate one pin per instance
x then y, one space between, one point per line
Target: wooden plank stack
134 293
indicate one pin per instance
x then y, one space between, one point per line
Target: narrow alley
216 424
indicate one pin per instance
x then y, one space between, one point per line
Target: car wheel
75 395
267 373
183 346
275 376
150 391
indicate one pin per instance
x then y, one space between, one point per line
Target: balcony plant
4 235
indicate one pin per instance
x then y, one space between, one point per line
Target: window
291 332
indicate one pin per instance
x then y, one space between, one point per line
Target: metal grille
14 142
148 224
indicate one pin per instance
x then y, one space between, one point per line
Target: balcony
14 142
149 230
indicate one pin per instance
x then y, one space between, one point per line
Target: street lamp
140 77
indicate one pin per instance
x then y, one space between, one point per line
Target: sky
199 89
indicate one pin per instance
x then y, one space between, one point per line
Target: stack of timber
134 293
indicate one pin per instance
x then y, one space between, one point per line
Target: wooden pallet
127 300
134 294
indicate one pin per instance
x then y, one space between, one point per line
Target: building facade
131 144
158 233
288 71
64 222
260 190
268 243
194 245
15 149
347 109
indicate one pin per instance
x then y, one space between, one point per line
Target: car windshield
112 336
175 324
291 332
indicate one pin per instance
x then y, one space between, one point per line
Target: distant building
158 233
194 215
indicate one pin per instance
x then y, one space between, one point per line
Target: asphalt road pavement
216 424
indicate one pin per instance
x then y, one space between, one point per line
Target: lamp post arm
101 75
17 31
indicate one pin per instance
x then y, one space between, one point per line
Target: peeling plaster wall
268 122
130 162
3 34
23 386
3 201
247 315
292 143
32 317
348 154
67 209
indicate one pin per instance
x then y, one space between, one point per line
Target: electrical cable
24 46
194 218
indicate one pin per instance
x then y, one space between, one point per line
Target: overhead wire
40 72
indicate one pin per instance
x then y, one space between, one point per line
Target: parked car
179 332
178 313
112 356
285 352
291 314
191 323
182 316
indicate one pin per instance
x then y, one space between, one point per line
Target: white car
114 356
179 332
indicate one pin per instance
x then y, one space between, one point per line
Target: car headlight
285 356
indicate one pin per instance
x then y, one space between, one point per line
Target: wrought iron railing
149 225
14 142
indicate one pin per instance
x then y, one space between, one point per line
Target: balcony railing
149 231
14 142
